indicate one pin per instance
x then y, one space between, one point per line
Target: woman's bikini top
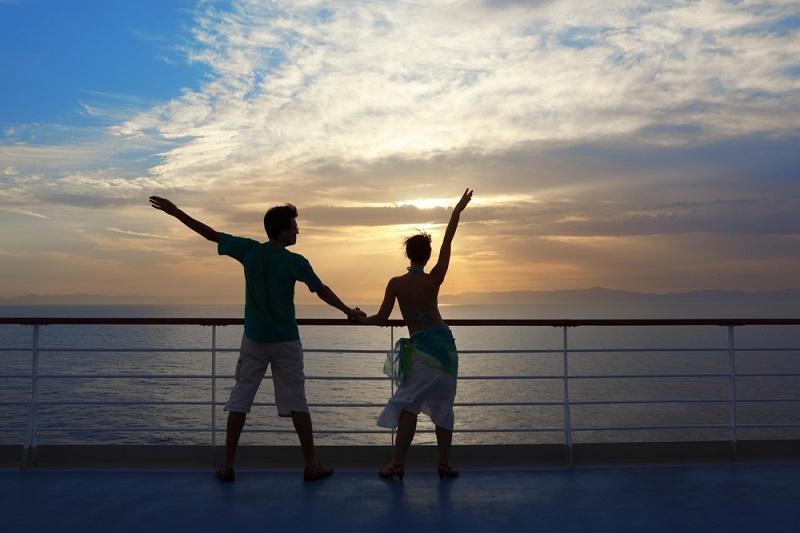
420 316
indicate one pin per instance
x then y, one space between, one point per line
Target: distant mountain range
609 296
572 296
100 299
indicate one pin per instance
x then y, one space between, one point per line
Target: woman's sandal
446 471
392 471
319 472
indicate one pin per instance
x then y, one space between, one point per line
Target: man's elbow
324 292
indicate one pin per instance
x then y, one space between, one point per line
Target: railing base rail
190 456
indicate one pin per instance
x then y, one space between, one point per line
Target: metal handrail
568 402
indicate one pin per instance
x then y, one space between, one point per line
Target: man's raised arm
162 204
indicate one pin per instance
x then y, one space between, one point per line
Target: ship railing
783 390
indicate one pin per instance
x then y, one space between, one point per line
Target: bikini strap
421 318
411 271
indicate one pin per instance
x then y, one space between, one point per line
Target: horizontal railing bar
400 323
44 349
684 350
767 375
106 429
765 400
456 404
667 401
55 349
386 378
650 427
753 426
123 402
198 376
184 402
126 376
506 404
643 376
543 377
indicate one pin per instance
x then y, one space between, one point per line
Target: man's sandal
226 473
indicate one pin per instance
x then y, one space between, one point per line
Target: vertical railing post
213 392
391 380
29 446
732 388
567 418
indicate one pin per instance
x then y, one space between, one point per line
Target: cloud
295 85
602 139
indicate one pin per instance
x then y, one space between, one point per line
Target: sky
635 145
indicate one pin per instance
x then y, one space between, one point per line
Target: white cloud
355 82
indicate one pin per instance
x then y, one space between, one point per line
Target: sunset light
643 146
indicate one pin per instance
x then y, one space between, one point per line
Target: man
270 335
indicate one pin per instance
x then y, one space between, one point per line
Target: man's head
418 248
280 224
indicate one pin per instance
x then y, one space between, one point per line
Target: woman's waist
418 330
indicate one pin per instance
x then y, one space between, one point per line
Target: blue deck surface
756 497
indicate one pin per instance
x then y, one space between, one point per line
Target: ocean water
132 384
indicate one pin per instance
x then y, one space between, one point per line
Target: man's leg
233 432
314 469
305 432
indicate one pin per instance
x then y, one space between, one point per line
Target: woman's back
417 295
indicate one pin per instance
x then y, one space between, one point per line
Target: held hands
355 314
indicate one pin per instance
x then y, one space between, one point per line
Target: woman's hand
462 204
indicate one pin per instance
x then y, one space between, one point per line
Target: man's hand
356 313
162 204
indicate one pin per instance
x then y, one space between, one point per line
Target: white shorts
288 377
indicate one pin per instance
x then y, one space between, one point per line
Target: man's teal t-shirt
270 274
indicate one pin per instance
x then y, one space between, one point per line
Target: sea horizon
588 296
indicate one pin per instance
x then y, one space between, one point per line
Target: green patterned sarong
436 346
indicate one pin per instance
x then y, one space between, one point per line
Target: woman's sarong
425 369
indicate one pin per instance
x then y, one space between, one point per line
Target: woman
425 366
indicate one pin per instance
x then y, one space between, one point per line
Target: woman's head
418 248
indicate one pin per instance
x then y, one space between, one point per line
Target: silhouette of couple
424 365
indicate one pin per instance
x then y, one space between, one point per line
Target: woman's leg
406 427
444 438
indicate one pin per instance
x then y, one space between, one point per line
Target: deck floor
747 497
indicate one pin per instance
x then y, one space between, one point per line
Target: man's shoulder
289 253
238 239
236 246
